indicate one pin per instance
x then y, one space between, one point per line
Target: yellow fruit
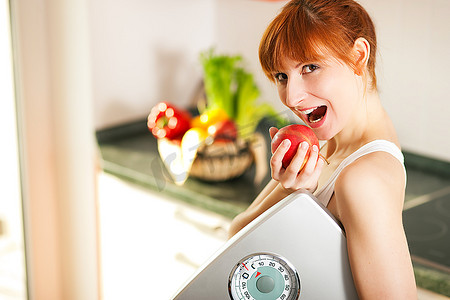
191 141
209 117
196 123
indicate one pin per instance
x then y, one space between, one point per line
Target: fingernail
286 143
305 145
315 148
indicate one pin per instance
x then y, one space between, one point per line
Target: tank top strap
326 192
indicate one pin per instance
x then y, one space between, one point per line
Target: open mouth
315 114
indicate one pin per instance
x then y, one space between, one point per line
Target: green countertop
130 152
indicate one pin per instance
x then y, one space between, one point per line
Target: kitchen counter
130 152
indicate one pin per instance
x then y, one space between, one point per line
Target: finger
312 161
314 177
319 166
272 131
297 161
277 173
277 157
282 149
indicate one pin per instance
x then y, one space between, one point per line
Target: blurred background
88 210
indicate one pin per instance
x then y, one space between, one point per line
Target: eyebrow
295 67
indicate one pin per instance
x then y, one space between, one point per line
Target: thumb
272 131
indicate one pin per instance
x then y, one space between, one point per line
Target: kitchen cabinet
150 243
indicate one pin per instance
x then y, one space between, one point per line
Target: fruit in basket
209 118
296 134
192 140
225 130
167 121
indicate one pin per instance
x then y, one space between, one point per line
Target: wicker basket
216 161
222 161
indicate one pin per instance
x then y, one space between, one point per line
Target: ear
361 52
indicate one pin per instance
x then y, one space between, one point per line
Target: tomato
167 121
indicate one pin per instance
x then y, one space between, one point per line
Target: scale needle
245 266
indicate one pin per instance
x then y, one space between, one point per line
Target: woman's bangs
288 40
301 47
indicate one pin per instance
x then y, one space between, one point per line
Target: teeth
315 121
308 111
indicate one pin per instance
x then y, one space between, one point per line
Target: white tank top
326 192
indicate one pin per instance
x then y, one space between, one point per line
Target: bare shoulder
369 197
372 184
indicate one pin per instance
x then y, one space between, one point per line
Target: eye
309 68
280 77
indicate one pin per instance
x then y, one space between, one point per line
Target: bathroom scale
294 250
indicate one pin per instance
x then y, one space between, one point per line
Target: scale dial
264 276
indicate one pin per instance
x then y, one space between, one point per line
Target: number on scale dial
264 276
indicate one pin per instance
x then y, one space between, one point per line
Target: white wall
414 42
145 51
240 26
137 63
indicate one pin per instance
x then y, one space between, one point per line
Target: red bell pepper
167 121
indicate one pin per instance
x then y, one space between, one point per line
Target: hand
293 178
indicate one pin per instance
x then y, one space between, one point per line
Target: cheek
282 93
326 87
334 88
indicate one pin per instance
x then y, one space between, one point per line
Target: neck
367 118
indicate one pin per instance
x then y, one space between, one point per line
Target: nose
295 92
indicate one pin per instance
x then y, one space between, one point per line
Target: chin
323 133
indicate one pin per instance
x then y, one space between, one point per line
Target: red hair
307 30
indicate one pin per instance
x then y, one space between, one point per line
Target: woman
321 55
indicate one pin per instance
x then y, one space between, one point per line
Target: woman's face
324 94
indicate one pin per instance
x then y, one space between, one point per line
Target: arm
369 200
284 182
270 195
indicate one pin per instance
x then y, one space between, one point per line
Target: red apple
296 134
223 130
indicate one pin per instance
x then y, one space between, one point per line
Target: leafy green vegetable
230 87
